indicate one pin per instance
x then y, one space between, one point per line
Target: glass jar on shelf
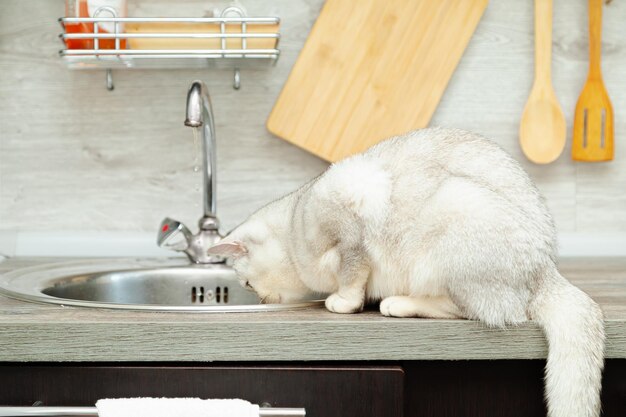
94 8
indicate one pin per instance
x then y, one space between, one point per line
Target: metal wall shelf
224 30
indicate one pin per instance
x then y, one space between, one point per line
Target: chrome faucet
173 234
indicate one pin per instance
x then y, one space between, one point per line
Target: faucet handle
174 235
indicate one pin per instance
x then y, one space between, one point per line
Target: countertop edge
293 341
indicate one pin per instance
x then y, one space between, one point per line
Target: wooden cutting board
371 69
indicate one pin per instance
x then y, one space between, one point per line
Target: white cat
438 223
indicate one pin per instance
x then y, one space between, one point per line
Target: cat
437 223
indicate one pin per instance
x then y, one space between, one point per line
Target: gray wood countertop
38 332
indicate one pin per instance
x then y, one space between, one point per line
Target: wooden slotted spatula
593 119
542 130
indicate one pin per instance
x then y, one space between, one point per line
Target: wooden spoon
593 119
542 130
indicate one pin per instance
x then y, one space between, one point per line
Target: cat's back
464 169
446 170
445 151
426 158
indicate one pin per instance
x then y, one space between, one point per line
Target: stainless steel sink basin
136 284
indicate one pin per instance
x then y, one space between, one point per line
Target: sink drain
220 295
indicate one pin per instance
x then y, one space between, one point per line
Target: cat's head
261 262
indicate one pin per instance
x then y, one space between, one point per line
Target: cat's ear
229 249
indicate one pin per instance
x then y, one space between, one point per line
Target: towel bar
92 412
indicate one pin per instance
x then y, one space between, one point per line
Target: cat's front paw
398 306
338 304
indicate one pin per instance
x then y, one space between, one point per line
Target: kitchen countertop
40 332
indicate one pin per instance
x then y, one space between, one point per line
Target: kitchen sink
138 284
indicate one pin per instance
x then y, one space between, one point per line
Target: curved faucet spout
200 115
173 234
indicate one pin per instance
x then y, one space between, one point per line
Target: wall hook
110 85
237 82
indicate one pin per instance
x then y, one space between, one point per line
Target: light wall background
87 171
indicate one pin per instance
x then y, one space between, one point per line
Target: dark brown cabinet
473 388
324 391
484 388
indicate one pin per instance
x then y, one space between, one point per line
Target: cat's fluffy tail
574 327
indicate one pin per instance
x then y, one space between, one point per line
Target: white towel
175 407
